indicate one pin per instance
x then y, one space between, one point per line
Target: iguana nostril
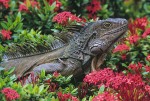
96 50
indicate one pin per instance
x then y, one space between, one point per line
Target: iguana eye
107 24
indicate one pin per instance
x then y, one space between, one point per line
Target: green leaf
74 91
13 78
11 70
101 89
9 20
4 25
86 1
84 99
124 65
52 7
41 88
42 74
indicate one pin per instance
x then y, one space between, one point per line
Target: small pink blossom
148 57
146 33
141 23
147 88
64 17
132 28
23 7
10 94
6 34
58 4
56 74
136 67
106 96
66 97
5 3
93 8
123 56
121 48
99 77
133 39
147 68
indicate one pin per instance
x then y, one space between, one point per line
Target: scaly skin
94 40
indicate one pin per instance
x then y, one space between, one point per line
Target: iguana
95 39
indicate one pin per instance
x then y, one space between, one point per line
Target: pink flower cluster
66 97
6 34
137 68
93 8
129 87
64 17
10 94
134 36
106 96
121 48
133 39
139 23
146 33
58 4
25 7
5 3
99 77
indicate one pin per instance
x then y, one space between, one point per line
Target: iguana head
105 33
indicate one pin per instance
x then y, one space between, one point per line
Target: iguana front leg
65 67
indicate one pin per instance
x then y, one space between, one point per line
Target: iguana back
25 64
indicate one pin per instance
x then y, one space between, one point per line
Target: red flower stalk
34 78
10 94
23 79
5 3
82 90
52 87
106 96
146 33
6 34
64 17
120 48
30 78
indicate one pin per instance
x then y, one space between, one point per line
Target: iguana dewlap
94 39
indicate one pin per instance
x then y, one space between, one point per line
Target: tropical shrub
125 73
